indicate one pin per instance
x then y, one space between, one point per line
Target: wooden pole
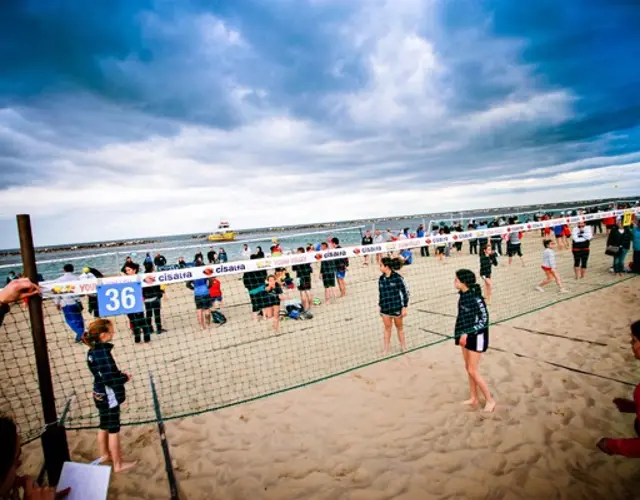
54 438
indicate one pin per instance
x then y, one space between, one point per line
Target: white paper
87 482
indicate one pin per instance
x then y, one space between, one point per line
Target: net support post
54 438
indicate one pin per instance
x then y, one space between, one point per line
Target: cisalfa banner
88 286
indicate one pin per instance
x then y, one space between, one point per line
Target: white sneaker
564 290
540 289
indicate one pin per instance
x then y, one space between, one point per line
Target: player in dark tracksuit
253 281
137 321
393 300
488 259
472 334
303 273
328 275
108 391
152 296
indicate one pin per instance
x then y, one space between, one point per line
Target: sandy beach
395 429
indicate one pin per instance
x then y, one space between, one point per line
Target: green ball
317 301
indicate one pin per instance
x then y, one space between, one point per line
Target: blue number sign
120 298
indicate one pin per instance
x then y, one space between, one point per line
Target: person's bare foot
490 406
125 466
470 402
104 459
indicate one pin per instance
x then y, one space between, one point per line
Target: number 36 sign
119 298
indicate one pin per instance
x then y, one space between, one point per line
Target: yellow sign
627 218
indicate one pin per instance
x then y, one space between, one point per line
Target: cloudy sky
134 118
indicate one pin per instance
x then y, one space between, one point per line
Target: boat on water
224 232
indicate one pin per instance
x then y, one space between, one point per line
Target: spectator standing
159 261
378 240
496 239
211 256
246 252
367 240
473 242
222 256
70 305
580 246
618 244
152 296
137 321
421 233
636 246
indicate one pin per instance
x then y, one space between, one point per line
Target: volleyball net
223 334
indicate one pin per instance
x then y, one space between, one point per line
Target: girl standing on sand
472 334
393 301
549 268
487 260
108 391
273 296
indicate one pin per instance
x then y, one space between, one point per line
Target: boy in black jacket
341 268
303 273
328 276
152 296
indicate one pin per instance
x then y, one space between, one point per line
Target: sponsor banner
169 276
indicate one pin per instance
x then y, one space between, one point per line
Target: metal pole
171 477
54 437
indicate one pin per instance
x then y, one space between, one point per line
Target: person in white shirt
580 243
69 304
378 239
246 252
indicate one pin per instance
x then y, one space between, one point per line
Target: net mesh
201 364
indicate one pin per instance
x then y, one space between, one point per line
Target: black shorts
391 314
477 342
305 284
514 249
329 280
580 259
270 301
440 250
486 276
203 302
110 420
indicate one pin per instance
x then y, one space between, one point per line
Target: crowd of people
271 293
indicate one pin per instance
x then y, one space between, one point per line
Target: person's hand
602 445
404 312
463 340
34 492
17 290
379 309
128 375
625 405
